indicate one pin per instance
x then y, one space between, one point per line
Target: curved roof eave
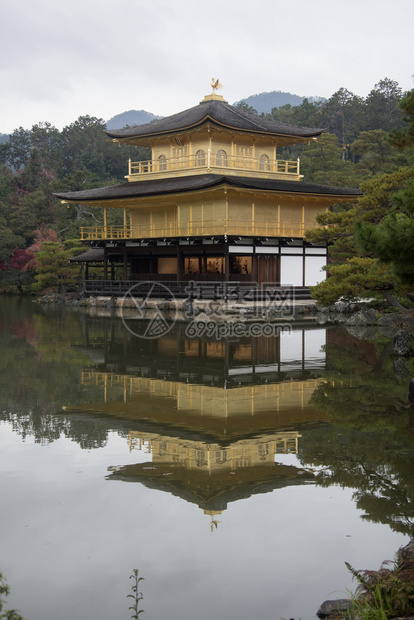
179 185
206 119
219 113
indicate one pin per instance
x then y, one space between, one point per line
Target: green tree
85 146
284 114
322 162
9 240
404 138
342 115
307 114
245 107
357 277
338 229
382 106
392 239
375 153
54 272
379 227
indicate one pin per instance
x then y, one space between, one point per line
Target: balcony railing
210 161
193 229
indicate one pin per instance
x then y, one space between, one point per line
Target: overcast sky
63 59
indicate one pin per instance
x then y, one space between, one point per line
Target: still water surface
236 475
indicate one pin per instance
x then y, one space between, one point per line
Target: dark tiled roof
220 113
174 185
94 255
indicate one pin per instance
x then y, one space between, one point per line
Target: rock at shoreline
341 608
402 343
364 318
53 298
389 324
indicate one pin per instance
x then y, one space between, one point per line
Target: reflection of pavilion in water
217 440
210 474
202 410
292 354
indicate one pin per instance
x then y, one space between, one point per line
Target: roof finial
215 84
213 513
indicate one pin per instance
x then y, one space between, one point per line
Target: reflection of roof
137 189
160 414
219 113
212 492
94 255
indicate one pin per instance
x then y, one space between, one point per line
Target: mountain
131 118
264 102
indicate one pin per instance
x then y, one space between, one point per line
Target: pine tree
392 239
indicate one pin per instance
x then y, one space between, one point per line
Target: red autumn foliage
20 259
25 260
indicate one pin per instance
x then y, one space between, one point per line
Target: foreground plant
10 614
387 592
137 595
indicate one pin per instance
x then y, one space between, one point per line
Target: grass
385 593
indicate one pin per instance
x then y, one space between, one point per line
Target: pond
236 474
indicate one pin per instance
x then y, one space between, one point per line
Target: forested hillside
265 102
131 118
36 162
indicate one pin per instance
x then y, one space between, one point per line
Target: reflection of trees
380 471
40 366
369 446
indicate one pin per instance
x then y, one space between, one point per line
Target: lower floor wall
291 263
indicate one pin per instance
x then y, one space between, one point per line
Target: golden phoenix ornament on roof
215 84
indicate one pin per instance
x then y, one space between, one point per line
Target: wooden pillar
125 351
255 258
179 264
278 267
303 220
125 274
105 218
226 264
204 266
105 265
125 223
304 265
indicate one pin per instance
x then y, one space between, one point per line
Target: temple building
214 204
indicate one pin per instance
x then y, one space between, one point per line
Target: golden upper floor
173 161
217 138
214 170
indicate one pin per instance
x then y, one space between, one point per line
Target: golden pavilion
215 204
